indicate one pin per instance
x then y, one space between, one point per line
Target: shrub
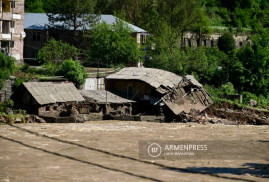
226 42
5 106
73 71
7 66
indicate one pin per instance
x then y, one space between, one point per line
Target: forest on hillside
146 14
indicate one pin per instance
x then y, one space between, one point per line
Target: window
198 42
143 39
204 42
47 108
212 43
36 36
5 27
13 4
189 42
240 44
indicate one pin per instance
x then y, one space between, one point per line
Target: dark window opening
36 36
198 42
204 42
241 44
189 42
47 108
5 27
212 43
54 107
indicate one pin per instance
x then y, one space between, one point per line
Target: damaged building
159 92
50 99
142 94
107 103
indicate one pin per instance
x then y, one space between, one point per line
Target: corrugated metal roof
154 77
49 92
100 96
39 21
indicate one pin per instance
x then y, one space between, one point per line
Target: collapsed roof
51 92
180 94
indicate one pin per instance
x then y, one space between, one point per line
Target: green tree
254 61
177 16
113 44
226 42
57 51
171 62
70 14
35 6
73 71
7 65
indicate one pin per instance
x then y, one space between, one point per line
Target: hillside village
76 76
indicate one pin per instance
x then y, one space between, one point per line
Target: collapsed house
160 92
50 100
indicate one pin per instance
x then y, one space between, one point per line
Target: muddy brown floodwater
108 151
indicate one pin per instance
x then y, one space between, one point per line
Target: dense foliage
57 51
7 67
226 42
73 71
113 45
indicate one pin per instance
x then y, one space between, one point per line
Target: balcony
16 16
5 36
9 16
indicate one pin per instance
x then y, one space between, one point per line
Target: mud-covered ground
108 151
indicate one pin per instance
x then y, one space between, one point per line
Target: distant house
48 99
38 32
194 39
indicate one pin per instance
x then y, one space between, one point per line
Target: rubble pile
225 112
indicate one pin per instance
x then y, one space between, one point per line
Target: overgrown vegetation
73 71
7 67
113 44
70 69
57 52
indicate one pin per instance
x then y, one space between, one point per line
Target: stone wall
6 91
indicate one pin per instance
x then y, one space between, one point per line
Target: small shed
49 98
107 102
